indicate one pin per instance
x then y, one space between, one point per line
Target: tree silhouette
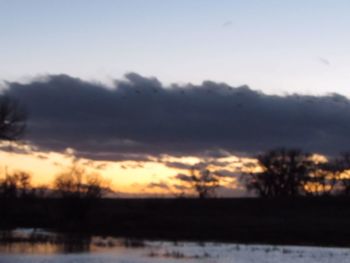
202 181
343 169
323 178
76 183
283 173
78 192
16 185
12 119
12 126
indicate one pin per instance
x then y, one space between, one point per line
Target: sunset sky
141 91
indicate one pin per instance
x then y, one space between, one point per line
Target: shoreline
321 222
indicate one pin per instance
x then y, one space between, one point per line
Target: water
27 245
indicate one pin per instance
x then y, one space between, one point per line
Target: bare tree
283 173
202 181
12 119
343 168
79 192
75 182
16 185
323 178
12 126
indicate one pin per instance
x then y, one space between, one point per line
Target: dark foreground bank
315 221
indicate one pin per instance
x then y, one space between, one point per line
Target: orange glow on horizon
156 177
130 177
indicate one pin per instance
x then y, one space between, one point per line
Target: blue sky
273 46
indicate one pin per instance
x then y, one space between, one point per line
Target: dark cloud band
140 117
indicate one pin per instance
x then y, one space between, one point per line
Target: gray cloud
183 177
179 165
160 185
140 118
324 61
226 173
227 23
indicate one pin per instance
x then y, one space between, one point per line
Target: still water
28 245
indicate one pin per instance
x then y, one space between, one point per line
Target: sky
274 46
142 90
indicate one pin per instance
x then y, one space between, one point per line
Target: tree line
72 183
292 172
281 173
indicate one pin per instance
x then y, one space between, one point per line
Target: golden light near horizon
125 177
134 178
319 158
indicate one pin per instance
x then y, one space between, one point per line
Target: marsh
29 245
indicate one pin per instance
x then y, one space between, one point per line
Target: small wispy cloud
324 61
226 24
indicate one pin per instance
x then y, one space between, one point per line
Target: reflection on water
38 241
29 246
